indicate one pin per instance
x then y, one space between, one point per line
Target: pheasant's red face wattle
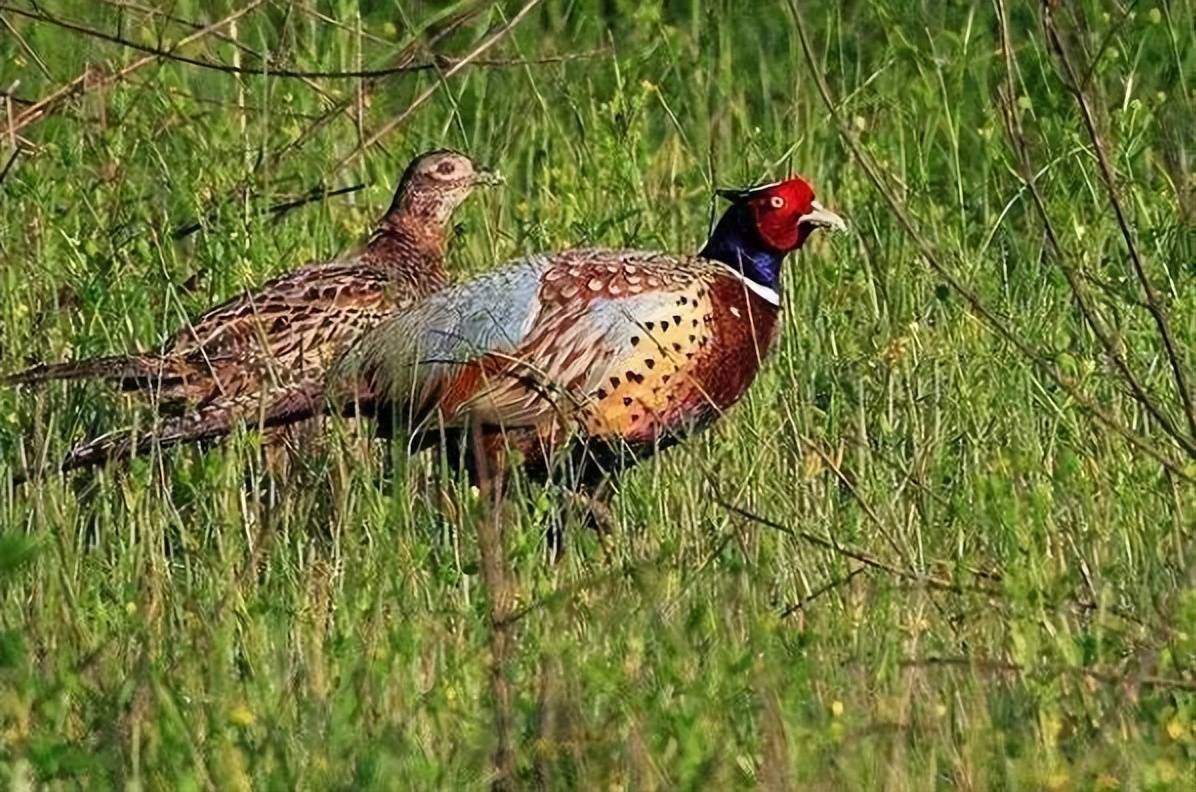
786 212
776 210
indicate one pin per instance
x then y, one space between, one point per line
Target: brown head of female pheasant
597 357
269 349
412 238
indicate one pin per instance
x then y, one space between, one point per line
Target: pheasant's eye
445 168
776 202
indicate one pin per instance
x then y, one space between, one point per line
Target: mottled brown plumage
272 346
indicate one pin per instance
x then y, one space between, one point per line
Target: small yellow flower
241 715
837 708
1175 729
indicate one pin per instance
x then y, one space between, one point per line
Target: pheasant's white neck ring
766 293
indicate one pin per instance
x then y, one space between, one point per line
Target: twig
313 195
428 37
12 97
76 86
858 555
473 55
30 51
859 499
1016 135
433 34
1007 667
932 260
35 110
265 69
278 210
830 585
1153 306
8 165
125 6
1123 18
627 569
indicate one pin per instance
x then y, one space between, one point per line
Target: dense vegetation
946 542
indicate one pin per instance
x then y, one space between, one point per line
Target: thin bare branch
931 257
1007 667
486 43
496 577
428 38
1017 140
858 555
30 51
267 69
8 164
849 485
90 78
830 585
1153 304
278 210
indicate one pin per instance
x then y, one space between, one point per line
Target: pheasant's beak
821 217
485 177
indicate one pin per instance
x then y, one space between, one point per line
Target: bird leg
594 512
597 512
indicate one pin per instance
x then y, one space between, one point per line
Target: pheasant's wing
283 311
518 347
407 359
293 325
571 351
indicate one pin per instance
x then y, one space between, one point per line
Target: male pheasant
270 348
595 357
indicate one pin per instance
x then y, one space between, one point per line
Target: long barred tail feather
131 371
211 423
289 405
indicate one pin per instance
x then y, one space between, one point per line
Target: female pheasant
272 347
592 357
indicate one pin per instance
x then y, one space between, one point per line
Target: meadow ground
945 542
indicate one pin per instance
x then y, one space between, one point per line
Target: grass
958 578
